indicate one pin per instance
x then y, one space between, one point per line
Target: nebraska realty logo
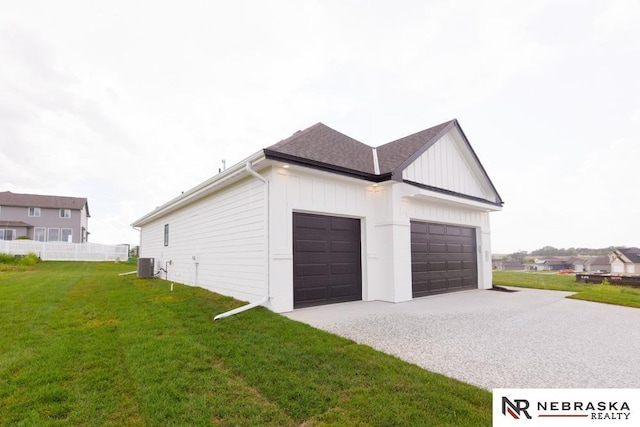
566 407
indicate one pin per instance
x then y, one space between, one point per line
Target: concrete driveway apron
523 339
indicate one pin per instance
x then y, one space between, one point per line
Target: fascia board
410 191
288 158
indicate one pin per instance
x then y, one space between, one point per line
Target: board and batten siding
218 242
447 165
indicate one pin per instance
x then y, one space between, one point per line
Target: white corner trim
376 165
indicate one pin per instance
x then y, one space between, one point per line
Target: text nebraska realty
598 410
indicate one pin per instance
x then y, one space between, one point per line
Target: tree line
553 251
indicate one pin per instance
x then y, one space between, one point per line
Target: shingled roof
632 254
323 148
7 198
323 145
392 155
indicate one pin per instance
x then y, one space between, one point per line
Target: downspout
265 299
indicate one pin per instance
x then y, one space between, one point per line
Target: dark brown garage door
326 260
443 258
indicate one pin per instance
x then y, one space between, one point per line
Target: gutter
265 299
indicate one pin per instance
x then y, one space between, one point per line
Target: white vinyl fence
62 251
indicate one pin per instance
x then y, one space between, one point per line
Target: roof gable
449 164
7 198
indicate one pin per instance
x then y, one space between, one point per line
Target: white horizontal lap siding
447 165
225 232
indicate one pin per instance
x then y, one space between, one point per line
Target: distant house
510 264
625 260
599 263
43 218
578 264
550 264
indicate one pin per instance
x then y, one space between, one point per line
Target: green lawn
609 294
81 345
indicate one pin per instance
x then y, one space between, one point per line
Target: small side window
166 234
65 213
34 212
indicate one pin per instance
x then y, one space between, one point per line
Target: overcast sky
128 103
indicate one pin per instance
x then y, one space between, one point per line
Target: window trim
4 233
166 234
49 234
62 239
62 213
44 234
34 212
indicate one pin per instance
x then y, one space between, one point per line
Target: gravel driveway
524 339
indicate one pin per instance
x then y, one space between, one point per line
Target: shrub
26 260
7 258
29 259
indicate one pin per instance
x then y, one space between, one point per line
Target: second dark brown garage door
443 258
327 266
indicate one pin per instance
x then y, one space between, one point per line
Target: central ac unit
146 268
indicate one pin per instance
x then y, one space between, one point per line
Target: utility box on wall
146 268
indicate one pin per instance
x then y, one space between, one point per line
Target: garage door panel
468 232
454 265
345 246
344 268
420 267
342 280
437 248
454 248
311 222
312 246
443 258
436 285
311 269
436 229
436 266
419 237
419 227
327 259
343 224
419 247
310 295
453 231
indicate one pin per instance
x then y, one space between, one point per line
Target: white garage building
320 218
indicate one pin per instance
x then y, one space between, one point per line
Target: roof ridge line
376 164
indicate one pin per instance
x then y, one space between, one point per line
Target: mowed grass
609 294
81 345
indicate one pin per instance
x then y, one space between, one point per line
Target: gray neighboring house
43 218
510 264
599 263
